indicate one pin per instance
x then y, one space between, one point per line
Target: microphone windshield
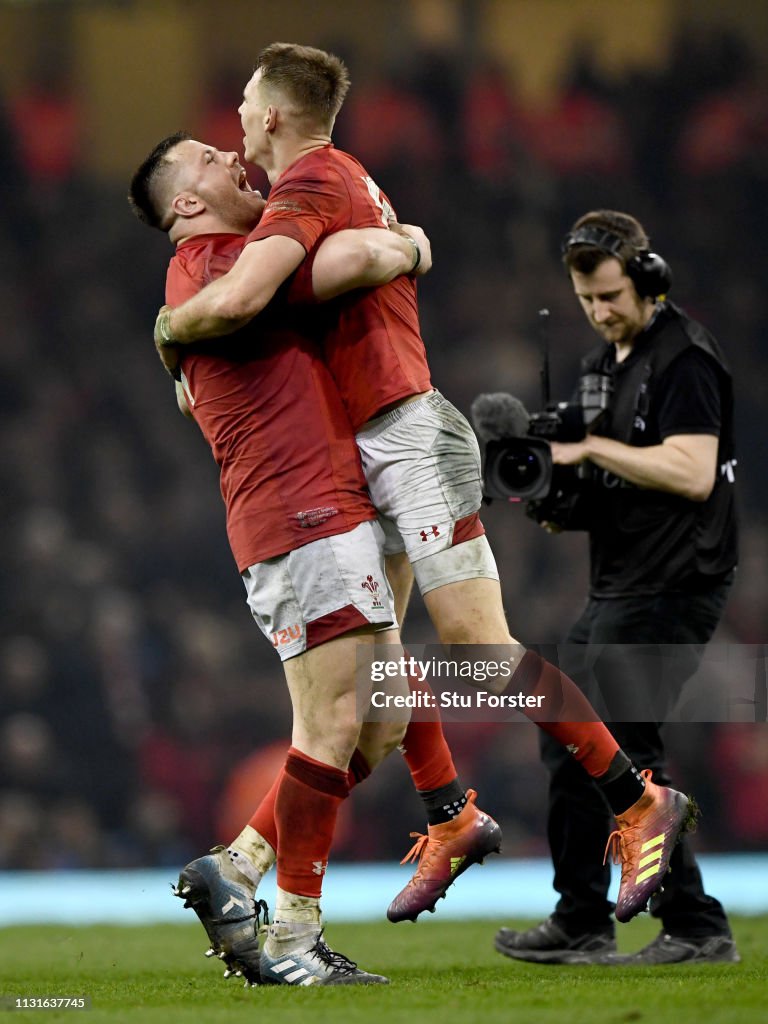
499 415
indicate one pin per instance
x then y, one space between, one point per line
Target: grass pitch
440 971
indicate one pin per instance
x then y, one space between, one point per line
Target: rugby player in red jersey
420 456
300 527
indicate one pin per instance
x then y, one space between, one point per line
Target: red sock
307 801
426 753
358 770
579 727
263 819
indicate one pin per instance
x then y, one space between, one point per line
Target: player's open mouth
242 182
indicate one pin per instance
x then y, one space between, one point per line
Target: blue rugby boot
223 899
297 955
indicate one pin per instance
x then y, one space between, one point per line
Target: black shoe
547 943
678 949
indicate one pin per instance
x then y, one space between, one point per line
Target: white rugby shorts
423 467
321 590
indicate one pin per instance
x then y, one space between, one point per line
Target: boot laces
422 844
418 849
619 845
262 916
336 961
621 841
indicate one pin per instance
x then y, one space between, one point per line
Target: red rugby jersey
268 407
372 341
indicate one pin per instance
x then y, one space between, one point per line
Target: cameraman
662 535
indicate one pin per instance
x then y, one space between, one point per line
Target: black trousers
579 818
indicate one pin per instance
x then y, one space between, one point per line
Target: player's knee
378 743
332 728
473 627
456 631
393 737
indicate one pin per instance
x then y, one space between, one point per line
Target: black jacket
642 541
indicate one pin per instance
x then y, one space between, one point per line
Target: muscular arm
356 258
684 464
230 302
367 257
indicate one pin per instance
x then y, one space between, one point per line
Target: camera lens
518 467
519 470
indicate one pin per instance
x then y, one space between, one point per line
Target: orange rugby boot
644 841
443 854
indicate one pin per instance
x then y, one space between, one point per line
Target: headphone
650 274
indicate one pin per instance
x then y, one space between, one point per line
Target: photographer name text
452 699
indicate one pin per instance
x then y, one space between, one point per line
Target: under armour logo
434 532
319 866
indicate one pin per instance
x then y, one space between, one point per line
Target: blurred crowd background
141 712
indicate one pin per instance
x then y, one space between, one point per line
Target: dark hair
316 81
143 194
584 257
